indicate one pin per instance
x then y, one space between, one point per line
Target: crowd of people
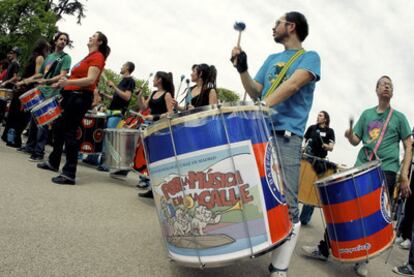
285 82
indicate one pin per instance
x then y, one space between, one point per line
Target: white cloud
358 41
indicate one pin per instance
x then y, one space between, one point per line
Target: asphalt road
99 227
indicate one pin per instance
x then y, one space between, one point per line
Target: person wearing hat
11 76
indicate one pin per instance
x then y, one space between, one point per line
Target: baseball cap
16 50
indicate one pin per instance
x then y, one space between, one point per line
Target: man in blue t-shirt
291 95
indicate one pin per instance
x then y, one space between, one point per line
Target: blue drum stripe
346 190
205 133
354 230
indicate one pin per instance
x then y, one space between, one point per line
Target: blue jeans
306 214
411 255
289 151
38 137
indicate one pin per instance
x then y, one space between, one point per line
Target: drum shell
31 99
91 133
357 212
120 145
6 94
202 141
46 112
307 193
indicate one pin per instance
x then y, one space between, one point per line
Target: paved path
100 228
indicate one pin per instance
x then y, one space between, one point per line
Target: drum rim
96 115
27 93
6 89
348 174
44 103
204 111
124 130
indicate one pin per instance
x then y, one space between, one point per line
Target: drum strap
381 136
276 82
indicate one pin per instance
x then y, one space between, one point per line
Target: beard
280 38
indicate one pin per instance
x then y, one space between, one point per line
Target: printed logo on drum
88 122
79 133
272 172
98 135
385 205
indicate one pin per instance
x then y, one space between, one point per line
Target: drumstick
136 114
351 122
143 84
238 26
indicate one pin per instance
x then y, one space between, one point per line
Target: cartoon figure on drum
204 91
285 82
319 139
380 129
77 100
55 66
161 102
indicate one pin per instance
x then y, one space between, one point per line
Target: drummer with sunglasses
380 129
290 93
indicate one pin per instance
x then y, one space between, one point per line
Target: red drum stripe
354 209
356 250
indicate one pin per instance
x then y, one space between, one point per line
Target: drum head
347 174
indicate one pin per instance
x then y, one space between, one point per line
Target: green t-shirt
368 129
64 64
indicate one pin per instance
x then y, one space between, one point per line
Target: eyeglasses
282 21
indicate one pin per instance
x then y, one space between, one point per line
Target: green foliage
22 23
116 78
226 95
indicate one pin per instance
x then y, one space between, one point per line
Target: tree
116 78
25 21
62 7
226 95
22 23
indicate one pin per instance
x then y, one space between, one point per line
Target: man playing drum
286 82
55 66
10 78
380 129
319 140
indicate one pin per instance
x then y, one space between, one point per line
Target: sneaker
313 252
274 272
24 150
46 165
361 269
405 270
147 194
398 240
120 174
62 180
103 168
35 158
143 184
406 244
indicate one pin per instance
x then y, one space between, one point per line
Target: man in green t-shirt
369 128
55 66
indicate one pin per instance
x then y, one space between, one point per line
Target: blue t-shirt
292 114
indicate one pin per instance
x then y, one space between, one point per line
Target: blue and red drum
357 212
31 99
217 185
90 133
47 111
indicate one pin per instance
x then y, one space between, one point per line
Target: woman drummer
160 102
17 118
204 91
77 95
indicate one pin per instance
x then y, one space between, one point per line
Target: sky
358 41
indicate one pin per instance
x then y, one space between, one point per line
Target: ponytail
103 48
